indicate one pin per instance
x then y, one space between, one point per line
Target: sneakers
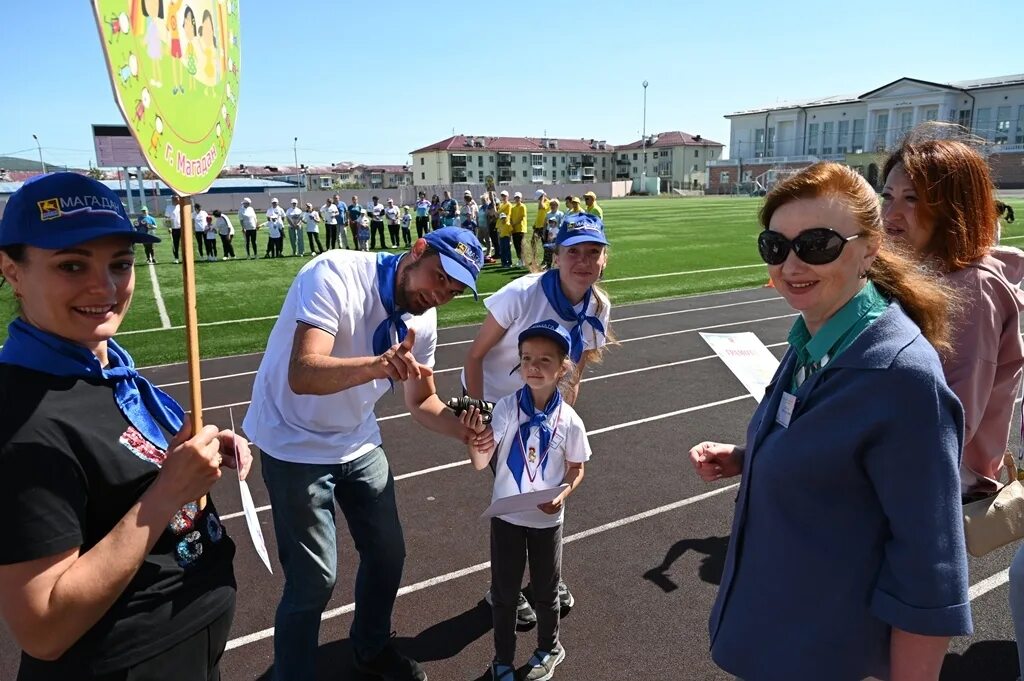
542 664
504 672
525 616
565 599
391 665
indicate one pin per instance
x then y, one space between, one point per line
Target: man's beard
410 303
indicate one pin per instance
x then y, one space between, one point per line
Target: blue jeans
302 498
505 246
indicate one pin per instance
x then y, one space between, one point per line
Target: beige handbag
996 520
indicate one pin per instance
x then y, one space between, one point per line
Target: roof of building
387 169
673 138
534 144
220 184
975 84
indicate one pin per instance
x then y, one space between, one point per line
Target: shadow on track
712 548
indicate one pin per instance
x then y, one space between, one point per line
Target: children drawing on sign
174 35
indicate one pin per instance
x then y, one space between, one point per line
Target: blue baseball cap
548 328
60 210
580 228
462 257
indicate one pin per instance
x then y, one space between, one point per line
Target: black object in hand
461 404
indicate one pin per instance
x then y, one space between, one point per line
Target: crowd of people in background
500 223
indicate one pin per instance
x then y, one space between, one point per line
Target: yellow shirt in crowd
504 223
596 210
518 217
542 214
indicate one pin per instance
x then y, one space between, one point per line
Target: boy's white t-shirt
275 229
336 292
199 221
312 222
295 217
568 443
516 306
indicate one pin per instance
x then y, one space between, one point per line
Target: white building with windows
859 129
471 159
678 159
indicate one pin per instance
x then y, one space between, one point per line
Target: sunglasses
816 246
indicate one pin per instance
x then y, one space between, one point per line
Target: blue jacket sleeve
913 465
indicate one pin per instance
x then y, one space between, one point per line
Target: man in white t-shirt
296 228
275 230
247 219
329 213
393 215
199 228
338 345
376 223
173 215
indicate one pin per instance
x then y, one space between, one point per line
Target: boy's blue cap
548 328
462 257
60 210
581 228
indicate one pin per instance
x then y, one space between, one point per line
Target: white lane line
986 585
599 431
466 342
167 326
480 567
165 321
652 301
621 373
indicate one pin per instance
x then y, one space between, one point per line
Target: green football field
660 247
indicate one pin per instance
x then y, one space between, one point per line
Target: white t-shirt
336 292
199 221
568 443
329 212
275 214
312 221
173 214
516 306
224 226
377 211
295 217
247 218
275 228
392 213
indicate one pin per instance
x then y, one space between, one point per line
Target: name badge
786 406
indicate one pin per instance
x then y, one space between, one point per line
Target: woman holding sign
109 569
846 559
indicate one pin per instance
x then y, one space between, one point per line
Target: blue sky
370 82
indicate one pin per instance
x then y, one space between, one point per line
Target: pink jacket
985 370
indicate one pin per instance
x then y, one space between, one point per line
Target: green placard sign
174 66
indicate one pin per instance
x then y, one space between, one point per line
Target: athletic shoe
525 616
519 263
176 262
504 672
565 599
542 664
390 665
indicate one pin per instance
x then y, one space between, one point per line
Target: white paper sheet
517 503
746 357
249 509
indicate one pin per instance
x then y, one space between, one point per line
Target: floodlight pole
295 151
643 145
40 148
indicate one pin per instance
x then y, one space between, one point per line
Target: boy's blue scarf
537 419
144 405
552 286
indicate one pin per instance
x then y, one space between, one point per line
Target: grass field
660 247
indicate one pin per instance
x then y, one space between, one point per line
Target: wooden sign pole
188 276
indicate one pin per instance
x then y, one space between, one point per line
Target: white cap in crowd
504 192
273 200
247 200
540 192
295 201
517 195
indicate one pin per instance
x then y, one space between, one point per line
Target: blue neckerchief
516 460
552 286
144 405
387 275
